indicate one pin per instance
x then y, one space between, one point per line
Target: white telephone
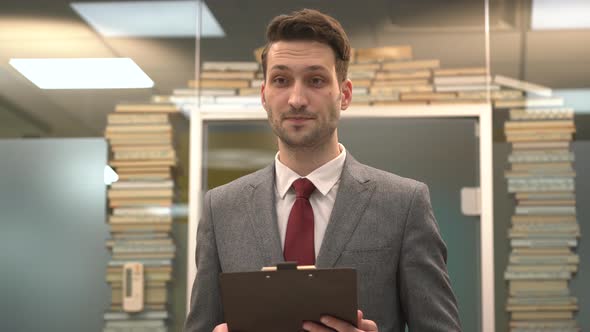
132 287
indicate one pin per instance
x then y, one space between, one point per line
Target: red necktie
299 244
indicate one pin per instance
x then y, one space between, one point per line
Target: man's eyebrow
316 68
279 67
309 68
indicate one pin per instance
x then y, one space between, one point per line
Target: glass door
443 153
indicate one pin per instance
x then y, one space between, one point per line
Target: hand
334 324
221 328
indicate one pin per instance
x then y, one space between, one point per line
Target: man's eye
279 80
317 81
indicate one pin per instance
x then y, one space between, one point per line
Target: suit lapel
354 193
264 217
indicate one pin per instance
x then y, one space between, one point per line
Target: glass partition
52 212
408 52
99 69
405 54
542 52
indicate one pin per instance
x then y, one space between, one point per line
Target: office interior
54 202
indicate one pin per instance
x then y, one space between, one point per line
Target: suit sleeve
205 305
425 289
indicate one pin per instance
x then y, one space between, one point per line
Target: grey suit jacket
381 224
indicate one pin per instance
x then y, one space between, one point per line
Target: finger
367 325
359 317
314 327
337 324
221 328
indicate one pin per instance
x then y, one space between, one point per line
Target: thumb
359 315
221 328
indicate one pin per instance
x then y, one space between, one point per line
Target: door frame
482 112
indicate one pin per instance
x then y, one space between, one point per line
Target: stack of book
544 232
140 138
391 76
377 72
381 76
228 83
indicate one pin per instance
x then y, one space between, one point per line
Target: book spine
546 210
535 275
143 249
543 243
165 154
547 260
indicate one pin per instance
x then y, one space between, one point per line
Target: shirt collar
323 178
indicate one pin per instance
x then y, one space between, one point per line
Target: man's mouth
298 119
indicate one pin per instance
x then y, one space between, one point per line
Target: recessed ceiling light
83 73
149 18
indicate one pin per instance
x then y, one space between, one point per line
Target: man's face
301 94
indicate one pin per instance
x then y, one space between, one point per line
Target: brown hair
310 24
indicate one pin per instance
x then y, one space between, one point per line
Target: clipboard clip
288 266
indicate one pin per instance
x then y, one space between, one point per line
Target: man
317 205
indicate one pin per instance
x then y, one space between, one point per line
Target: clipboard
280 300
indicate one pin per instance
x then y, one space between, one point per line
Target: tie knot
303 188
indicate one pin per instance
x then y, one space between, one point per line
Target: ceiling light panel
149 18
83 73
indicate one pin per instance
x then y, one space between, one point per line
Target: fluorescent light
110 176
560 14
149 18
83 73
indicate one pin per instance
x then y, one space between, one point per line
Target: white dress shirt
326 179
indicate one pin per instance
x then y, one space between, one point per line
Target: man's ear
346 91
262 98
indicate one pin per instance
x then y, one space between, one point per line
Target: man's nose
297 98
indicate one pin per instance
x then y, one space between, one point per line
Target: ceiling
46 29
453 33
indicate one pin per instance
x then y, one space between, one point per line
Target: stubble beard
319 134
